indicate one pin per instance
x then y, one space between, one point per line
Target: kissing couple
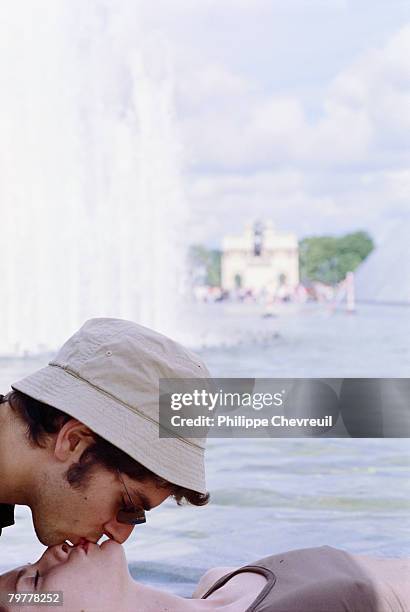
80 445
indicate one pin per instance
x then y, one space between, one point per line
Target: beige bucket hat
107 376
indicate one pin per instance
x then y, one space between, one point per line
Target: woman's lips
84 544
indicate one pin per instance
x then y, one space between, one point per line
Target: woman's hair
43 420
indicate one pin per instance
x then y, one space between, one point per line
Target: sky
293 111
297 111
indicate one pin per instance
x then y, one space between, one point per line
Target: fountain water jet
91 194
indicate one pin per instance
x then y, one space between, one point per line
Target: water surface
273 495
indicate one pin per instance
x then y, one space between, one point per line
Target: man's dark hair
43 420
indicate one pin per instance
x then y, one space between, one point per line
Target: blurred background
234 174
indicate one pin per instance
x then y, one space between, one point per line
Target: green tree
205 265
329 258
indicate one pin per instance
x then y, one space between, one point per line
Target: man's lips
84 544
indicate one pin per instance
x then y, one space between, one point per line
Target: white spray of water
92 206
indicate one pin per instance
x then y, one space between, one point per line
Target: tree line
321 258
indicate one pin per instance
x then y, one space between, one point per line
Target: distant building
260 259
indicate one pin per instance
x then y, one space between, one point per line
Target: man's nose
118 531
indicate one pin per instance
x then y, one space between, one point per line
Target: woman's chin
114 550
111 544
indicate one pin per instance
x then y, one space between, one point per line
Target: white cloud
378 84
366 107
263 154
264 194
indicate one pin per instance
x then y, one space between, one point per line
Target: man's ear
72 440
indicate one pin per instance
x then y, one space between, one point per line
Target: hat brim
176 460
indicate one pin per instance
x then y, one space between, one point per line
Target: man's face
64 512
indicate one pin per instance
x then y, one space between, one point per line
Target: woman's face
91 577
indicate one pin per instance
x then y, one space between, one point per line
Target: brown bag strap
257 569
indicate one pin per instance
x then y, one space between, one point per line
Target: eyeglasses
130 514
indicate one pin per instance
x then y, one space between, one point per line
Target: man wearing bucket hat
79 438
